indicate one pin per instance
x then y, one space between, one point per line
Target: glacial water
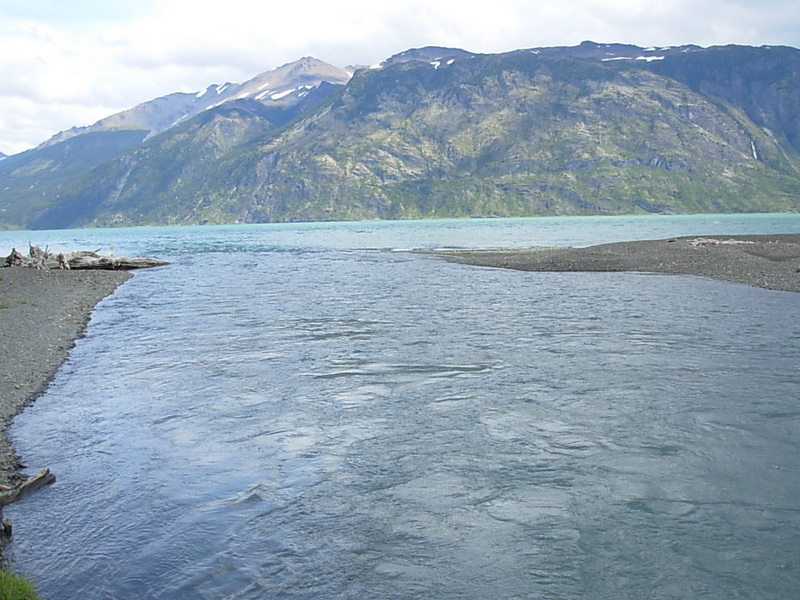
304 412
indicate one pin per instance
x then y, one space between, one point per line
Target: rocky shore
767 261
42 313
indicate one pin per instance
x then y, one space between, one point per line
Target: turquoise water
301 411
444 233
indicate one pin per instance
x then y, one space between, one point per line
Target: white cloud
62 68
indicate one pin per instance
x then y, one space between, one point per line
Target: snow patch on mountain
644 58
279 95
165 112
284 84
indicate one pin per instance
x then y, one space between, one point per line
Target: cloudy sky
72 62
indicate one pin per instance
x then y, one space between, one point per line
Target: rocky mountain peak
282 84
427 54
303 74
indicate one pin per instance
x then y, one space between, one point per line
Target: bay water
311 411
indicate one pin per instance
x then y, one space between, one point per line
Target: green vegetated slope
156 181
166 179
519 135
33 181
714 130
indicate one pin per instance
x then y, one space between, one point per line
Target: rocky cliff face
762 82
518 134
437 132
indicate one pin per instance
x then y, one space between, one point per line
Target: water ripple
347 425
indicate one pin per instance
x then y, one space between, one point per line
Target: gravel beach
767 261
42 313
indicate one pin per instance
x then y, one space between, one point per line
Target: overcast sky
73 62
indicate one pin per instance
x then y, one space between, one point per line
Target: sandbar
766 261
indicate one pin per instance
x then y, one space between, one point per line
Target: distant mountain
38 181
614 52
31 182
442 132
429 54
283 87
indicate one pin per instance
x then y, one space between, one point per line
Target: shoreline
42 314
765 261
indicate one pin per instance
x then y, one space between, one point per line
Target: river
309 411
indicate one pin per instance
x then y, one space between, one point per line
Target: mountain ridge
34 179
434 131
161 113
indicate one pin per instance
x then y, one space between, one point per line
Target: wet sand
766 261
42 313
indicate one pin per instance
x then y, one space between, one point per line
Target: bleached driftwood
41 479
112 262
15 259
7 496
44 259
715 242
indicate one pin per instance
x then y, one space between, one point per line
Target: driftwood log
44 259
7 496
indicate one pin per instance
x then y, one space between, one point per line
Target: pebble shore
42 313
767 261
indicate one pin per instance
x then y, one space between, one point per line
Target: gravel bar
42 313
766 261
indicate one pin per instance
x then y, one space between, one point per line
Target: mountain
31 182
38 181
284 86
442 132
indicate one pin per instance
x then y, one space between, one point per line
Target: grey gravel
42 313
767 261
